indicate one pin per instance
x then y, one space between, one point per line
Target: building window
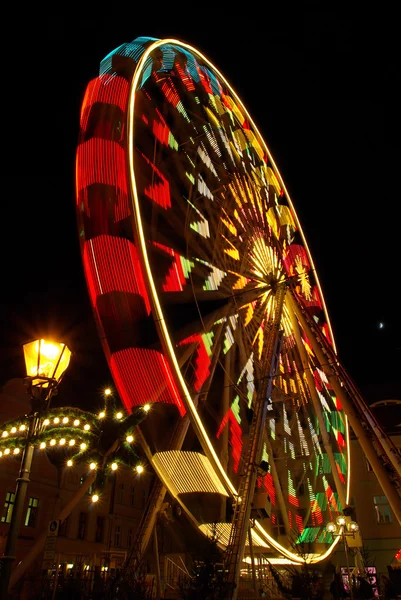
129 537
8 507
30 519
120 493
132 496
382 508
63 528
278 524
82 526
99 529
117 535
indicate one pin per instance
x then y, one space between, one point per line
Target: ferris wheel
207 300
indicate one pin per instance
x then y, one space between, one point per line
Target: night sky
321 86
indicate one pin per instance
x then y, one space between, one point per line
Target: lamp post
45 363
344 527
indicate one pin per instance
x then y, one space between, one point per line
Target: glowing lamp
139 469
341 520
102 415
65 420
331 527
107 392
76 422
87 427
22 428
46 361
95 498
146 408
92 466
119 415
13 430
69 463
114 467
130 438
16 450
352 526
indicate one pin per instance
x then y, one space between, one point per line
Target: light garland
103 441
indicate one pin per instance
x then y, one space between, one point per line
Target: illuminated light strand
248 370
272 426
308 535
215 278
185 77
108 168
186 266
286 425
203 188
189 472
175 278
231 250
226 143
125 276
162 132
229 339
173 98
229 224
142 375
159 191
302 439
110 91
202 356
202 226
206 159
212 140
235 436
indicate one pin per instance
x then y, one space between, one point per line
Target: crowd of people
362 589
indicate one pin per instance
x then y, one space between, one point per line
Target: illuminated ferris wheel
207 301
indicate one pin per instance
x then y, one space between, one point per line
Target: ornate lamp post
344 527
45 363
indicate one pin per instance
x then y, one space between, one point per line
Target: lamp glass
341 520
352 526
331 527
46 359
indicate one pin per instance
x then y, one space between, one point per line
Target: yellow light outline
154 297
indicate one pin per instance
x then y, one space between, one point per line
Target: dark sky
322 87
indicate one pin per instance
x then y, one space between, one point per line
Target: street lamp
45 364
343 528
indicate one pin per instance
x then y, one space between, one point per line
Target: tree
70 435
